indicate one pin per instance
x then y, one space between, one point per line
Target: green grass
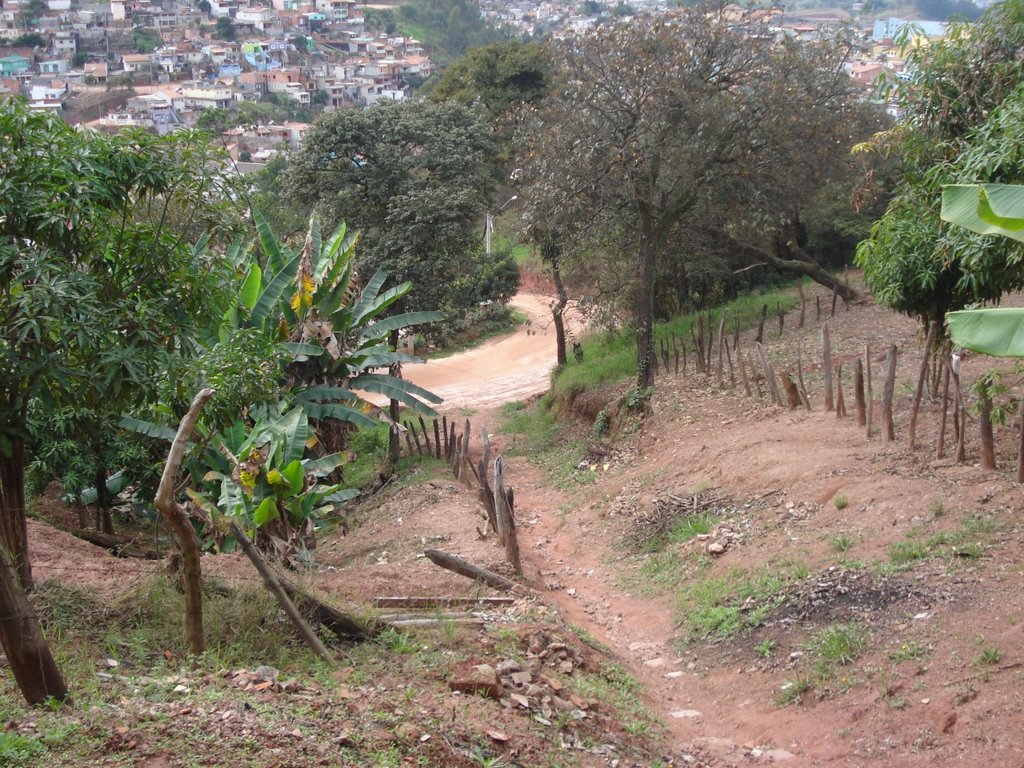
830 650
613 685
841 502
840 542
610 358
967 542
719 607
687 528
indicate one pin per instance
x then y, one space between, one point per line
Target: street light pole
489 224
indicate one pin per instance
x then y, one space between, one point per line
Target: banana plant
258 477
334 334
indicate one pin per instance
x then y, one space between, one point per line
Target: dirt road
508 368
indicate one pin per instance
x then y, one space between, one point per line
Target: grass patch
840 542
905 552
610 357
614 686
690 527
720 607
841 502
966 542
830 650
537 434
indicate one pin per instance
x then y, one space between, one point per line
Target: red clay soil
810 494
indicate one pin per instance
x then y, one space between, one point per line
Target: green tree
99 281
413 177
681 137
451 27
501 77
98 290
961 122
225 30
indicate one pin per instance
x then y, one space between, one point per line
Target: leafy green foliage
414 178
963 123
501 77
450 26
260 477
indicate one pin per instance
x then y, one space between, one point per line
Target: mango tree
99 287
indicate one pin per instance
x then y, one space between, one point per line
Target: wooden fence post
858 392
826 365
840 401
889 389
928 342
505 514
870 402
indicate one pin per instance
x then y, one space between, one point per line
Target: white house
257 16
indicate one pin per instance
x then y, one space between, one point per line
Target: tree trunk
645 319
27 652
799 264
557 313
13 522
394 447
192 575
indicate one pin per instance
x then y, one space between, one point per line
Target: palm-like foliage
333 335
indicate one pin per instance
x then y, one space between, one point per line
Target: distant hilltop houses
162 64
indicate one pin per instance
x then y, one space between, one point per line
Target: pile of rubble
535 687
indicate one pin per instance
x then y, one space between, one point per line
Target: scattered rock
475 678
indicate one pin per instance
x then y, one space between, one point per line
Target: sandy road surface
508 368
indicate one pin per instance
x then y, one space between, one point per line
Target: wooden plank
921 374
444 601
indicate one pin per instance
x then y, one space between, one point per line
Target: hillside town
161 64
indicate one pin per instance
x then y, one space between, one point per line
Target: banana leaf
998 332
988 209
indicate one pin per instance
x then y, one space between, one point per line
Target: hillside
724 583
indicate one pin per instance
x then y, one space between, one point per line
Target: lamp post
489 224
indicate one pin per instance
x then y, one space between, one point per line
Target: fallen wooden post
470 571
344 626
276 588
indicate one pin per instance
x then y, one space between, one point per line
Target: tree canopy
960 122
667 141
414 178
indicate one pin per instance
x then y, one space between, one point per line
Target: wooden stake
769 374
858 392
277 590
870 404
800 373
888 430
743 374
988 444
732 371
505 513
922 372
803 303
753 375
470 571
840 401
1020 443
940 448
437 439
760 324
426 437
826 365
792 394
721 349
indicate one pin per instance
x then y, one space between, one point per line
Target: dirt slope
822 526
